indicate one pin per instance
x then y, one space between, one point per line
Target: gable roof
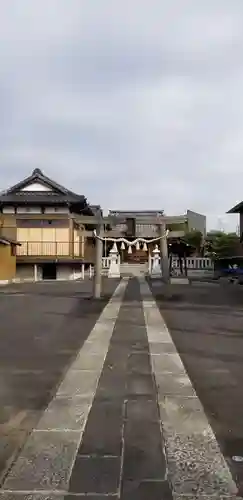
236 209
56 194
37 176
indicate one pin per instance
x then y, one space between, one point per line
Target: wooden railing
49 249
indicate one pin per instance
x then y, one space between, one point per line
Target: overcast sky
137 104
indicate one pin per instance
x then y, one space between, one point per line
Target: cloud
134 104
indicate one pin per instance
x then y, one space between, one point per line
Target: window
26 210
8 210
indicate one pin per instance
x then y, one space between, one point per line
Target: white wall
54 210
36 186
64 272
8 210
25 272
29 210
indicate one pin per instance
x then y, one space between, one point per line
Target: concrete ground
95 400
42 327
206 325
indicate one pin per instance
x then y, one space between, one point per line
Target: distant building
238 209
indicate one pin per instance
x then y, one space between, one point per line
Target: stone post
35 272
82 271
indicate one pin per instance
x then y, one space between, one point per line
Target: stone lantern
156 268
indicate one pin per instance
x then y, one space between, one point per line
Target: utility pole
97 283
164 260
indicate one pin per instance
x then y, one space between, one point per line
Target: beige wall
89 250
78 243
7 263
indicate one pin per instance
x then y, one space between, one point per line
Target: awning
8 241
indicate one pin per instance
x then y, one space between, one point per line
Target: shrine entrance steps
130 269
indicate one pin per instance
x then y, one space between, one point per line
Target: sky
137 104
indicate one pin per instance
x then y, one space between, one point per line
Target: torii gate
99 222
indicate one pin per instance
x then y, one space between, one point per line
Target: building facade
54 244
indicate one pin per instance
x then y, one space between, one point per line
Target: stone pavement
206 324
125 421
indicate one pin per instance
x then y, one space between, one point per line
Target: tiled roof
57 195
43 197
38 176
136 213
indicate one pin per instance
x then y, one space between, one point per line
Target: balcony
49 250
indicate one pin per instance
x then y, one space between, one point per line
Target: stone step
128 269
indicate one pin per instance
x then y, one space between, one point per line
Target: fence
195 265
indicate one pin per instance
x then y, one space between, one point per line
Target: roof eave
236 209
7 200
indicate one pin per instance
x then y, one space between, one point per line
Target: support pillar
164 260
35 272
82 271
98 264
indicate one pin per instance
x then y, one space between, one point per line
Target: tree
194 239
182 250
220 244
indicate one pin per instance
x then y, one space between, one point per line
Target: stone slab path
125 422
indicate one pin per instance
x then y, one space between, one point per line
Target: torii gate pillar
164 259
98 264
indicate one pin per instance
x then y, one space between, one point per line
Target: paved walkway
125 421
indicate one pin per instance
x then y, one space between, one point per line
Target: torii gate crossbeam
99 222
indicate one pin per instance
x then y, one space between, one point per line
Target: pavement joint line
196 467
49 461
33 492
122 448
56 492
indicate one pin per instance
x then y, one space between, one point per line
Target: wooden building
8 245
51 244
